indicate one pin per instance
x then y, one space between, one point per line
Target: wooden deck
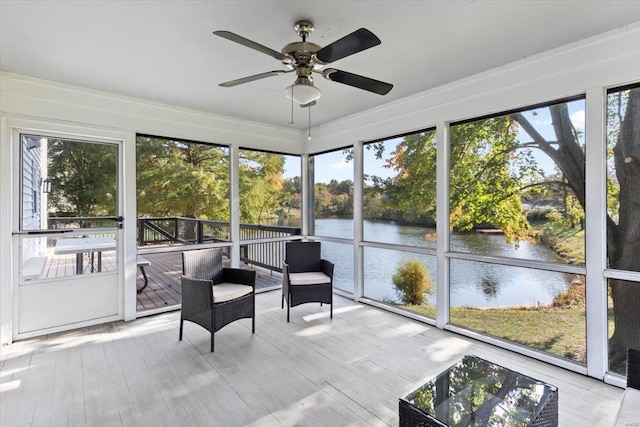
163 289
313 371
164 274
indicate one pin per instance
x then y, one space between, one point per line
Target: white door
69 232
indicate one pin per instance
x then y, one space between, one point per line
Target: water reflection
473 284
489 286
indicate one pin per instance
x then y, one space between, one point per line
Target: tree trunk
624 253
623 238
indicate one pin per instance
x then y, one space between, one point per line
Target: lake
473 284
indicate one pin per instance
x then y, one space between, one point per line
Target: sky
333 165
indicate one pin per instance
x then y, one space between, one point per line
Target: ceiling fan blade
355 80
355 42
251 44
254 77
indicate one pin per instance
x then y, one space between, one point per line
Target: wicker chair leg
287 311
282 304
331 299
212 341
181 323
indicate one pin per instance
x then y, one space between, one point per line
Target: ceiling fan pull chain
291 122
309 136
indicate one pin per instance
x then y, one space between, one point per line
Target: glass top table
474 392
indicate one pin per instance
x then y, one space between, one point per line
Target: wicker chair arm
197 295
633 368
237 275
285 277
326 267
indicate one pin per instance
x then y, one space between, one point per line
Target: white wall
609 60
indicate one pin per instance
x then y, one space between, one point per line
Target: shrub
574 297
412 282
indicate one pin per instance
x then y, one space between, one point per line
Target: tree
333 199
179 178
83 178
623 242
261 185
623 237
291 187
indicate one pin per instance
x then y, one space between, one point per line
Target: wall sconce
46 186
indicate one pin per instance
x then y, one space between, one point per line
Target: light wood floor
349 371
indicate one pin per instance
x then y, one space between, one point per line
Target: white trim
35 98
234 193
6 224
47 331
443 164
596 234
358 220
306 182
516 262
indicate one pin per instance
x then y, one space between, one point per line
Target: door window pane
67 183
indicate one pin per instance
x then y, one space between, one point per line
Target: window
517 192
400 190
183 191
333 194
623 221
270 205
269 189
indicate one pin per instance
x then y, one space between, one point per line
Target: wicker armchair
628 414
214 296
306 277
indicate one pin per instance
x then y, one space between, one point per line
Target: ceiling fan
305 58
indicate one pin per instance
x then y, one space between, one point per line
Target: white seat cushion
310 278
227 291
628 412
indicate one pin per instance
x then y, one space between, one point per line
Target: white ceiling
164 51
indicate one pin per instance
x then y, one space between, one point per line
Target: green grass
560 331
567 242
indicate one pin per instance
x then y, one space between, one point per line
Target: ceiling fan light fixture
302 91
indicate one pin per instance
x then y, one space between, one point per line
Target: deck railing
171 230
186 231
268 255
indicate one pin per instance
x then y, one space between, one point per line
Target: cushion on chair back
303 256
204 264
